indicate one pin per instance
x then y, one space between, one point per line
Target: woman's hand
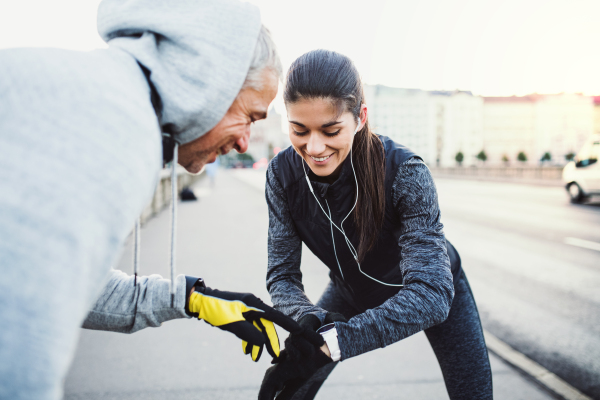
298 361
303 344
290 375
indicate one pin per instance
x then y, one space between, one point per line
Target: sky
492 48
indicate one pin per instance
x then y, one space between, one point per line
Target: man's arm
123 307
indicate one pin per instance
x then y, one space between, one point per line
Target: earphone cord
332 224
333 241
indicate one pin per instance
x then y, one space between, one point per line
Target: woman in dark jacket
367 207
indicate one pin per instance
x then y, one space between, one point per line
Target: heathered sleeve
123 307
284 278
425 299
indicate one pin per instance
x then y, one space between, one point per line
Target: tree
459 157
570 156
482 156
522 156
546 157
505 159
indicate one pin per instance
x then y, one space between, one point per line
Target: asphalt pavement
533 261
222 238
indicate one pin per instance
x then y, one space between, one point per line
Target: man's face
233 131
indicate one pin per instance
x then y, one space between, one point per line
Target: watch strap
191 282
331 338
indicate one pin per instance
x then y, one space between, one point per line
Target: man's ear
168 147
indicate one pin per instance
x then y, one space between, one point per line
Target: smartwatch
330 335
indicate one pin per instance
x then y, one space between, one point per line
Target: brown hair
330 75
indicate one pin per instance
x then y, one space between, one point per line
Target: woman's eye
332 133
300 133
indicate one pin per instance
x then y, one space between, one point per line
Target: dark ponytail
330 75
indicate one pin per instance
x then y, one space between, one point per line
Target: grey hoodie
80 152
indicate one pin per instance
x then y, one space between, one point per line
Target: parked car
582 175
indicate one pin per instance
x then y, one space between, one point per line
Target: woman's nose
315 145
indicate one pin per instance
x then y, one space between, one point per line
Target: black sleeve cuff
190 282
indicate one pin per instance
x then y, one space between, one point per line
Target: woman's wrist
325 350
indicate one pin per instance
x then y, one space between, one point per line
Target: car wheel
575 193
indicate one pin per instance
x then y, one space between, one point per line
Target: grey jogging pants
458 344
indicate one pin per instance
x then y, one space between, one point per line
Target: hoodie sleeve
425 299
284 278
123 307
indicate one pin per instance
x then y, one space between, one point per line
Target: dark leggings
458 344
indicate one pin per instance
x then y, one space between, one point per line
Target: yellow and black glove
244 315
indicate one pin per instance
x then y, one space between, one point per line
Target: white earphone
341 227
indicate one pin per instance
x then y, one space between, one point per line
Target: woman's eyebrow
327 125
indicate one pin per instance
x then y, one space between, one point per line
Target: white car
582 175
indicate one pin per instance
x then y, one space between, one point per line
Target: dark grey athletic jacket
411 249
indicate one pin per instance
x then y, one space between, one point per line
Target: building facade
535 125
435 125
597 114
266 136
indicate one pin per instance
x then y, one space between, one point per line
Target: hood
197 53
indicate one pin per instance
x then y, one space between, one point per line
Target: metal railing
162 195
549 173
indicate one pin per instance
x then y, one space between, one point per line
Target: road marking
586 244
533 369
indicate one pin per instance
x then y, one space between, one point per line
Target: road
537 288
511 239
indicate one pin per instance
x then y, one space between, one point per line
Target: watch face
200 283
326 328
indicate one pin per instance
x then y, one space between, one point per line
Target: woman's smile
320 160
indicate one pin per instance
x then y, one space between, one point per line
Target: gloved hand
298 361
243 314
290 375
297 346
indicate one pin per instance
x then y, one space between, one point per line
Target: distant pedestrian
367 207
212 170
80 153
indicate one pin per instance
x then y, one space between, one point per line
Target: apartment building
536 124
436 125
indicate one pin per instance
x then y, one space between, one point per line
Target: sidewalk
222 238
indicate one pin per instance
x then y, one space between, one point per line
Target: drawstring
136 264
136 251
173 219
136 246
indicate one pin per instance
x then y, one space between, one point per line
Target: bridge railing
162 195
549 174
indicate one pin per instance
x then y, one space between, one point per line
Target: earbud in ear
356 130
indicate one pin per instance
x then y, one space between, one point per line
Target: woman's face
321 137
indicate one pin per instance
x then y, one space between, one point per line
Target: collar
322 188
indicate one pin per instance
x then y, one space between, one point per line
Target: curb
540 374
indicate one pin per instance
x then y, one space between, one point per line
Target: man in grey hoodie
80 154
